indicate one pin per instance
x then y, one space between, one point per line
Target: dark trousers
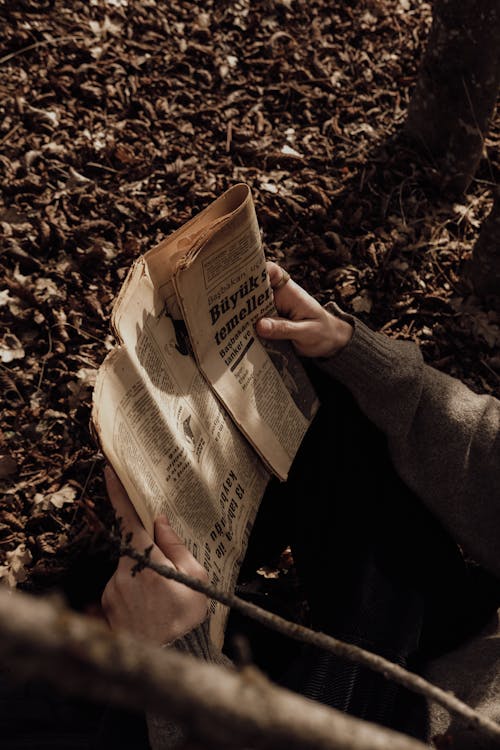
377 568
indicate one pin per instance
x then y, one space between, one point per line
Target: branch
388 669
220 706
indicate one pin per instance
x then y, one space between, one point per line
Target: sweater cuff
197 643
370 357
384 375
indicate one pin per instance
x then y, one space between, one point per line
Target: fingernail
163 520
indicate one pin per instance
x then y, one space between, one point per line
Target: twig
84 489
96 165
35 45
349 651
10 381
80 331
44 360
222 708
10 133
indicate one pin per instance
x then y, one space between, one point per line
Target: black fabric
378 569
35 716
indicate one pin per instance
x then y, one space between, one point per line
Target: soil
119 120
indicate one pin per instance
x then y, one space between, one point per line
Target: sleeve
165 734
443 438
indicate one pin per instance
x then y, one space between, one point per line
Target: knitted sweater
445 444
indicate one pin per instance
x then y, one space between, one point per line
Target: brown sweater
444 439
445 444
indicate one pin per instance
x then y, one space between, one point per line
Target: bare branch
221 706
388 669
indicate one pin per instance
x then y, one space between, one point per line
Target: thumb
171 545
121 503
281 328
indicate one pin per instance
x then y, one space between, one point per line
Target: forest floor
119 120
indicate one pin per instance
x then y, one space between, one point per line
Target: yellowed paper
173 445
192 408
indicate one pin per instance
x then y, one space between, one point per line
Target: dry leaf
290 151
362 303
5 298
61 497
14 571
10 348
267 572
46 291
7 466
269 187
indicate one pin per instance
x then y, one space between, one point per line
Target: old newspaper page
173 404
171 442
223 289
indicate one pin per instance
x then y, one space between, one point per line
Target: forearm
444 439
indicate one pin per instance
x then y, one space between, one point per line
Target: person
386 545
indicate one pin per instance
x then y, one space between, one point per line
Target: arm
444 439
156 609
148 606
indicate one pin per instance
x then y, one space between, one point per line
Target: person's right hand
147 605
312 329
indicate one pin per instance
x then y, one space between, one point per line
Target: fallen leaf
290 151
61 497
8 466
362 303
267 572
14 571
269 187
10 348
47 291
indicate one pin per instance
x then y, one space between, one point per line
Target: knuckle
122 579
143 579
280 328
107 598
195 569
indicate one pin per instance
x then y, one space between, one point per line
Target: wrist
340 334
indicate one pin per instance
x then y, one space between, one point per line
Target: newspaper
192 410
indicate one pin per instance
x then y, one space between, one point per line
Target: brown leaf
8 466
10 348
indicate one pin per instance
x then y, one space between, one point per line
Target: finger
290 297
282 328
279 280
274 271
122 506
173 547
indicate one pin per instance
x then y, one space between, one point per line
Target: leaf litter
118 120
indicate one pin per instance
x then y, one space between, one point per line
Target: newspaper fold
192 410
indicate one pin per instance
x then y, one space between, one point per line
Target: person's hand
148 606
312 329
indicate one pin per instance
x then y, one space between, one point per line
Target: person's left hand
302 320
147 605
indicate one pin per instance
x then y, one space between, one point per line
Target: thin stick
41 43
349 651
219 707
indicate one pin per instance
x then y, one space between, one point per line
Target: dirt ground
118 120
